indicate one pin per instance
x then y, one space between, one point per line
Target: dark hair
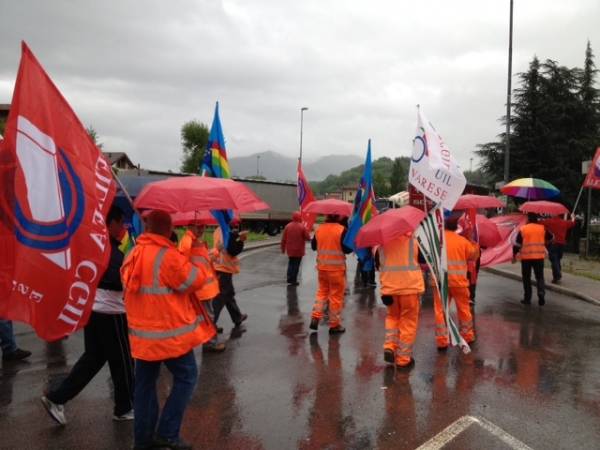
532 217
451 224
114 214
159 222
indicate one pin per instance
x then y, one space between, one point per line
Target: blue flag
215 164
364 210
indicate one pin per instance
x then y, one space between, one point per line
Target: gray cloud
138 70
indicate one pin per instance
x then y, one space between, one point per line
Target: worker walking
559 229
331 265
401 288
105 339
460 252
293 242
531 248
164 327
210 289
227 264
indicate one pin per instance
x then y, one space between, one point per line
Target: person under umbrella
293 242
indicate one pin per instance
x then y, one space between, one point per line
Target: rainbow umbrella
531 189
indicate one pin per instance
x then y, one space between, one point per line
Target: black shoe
213 348
337 330
442 349
555 281
526 302
242 319
541 301
219 330
17 355
173 445
388 356
408 366
314 324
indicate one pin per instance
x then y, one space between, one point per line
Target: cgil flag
305 197
592 179
56 191
364 209
433 170
215 164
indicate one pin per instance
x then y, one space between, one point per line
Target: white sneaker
124 417
57 412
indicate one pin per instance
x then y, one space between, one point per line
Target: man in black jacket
105 339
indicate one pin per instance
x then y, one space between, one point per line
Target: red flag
305 197
56 190
592 180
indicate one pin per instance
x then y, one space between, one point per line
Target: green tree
398 177
94 135
194 139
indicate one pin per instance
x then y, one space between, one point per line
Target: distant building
348 193
337 195
120 160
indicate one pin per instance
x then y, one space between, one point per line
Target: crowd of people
156 304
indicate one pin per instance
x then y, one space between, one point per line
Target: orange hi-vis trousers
465 319
401 327
332 286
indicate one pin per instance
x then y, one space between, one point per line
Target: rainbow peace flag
215 162
215 165
364 208
132 231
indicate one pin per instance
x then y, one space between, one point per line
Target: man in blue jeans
10 351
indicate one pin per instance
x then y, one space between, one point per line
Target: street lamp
257 166
304 108
508 95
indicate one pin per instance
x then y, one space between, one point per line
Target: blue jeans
7 337
555 253
145 403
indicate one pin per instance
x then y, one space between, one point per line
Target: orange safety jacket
158 279
223 261
459 251
330 255
210 288
399 269
533 246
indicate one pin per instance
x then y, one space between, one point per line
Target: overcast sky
137 71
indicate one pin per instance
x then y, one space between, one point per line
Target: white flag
433 169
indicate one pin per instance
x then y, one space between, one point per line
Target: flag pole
578 198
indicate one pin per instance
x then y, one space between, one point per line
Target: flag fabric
364 210
433 169
430 237
592 180
132 231
56 191
215 164
305 197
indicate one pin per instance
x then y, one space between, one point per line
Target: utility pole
304 108
508 99
257 166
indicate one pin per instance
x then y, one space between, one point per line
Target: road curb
549 286
259 246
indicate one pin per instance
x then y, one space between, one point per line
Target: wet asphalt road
534 373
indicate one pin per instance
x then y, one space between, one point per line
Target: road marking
457 427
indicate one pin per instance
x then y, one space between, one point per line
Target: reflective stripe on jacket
399 269
459 251
158 279
223 261
330 256
210 288
533 246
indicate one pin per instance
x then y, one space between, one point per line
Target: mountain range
275 166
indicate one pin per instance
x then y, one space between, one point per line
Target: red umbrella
196 217
543 207
331 206
195 193
472 201
390 225
488 232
